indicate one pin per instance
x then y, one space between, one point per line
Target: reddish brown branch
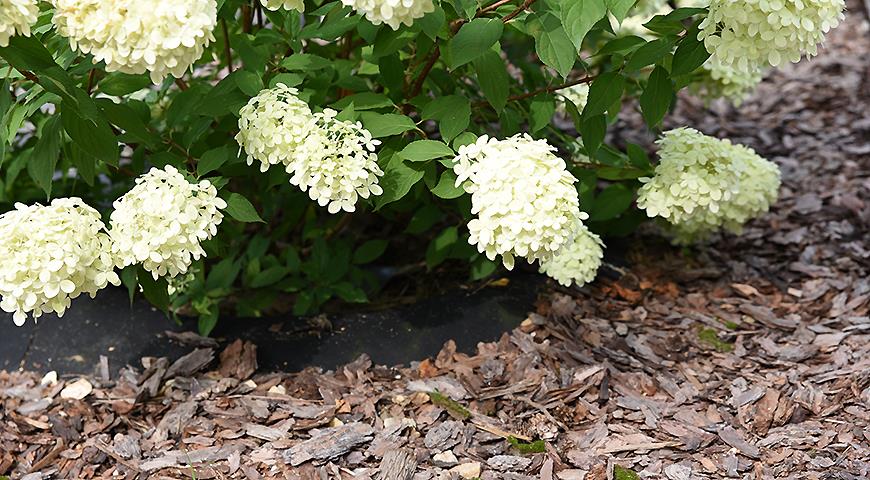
526 4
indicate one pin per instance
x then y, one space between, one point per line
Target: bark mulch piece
745 359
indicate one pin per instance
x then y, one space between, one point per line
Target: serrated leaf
620 8
649 54
369 251
578 17
690 54
423 150
493 78
473 40
241 209
453 113
386 124
212 160
552 43
656 97
397 181
44 157
604 92
446 187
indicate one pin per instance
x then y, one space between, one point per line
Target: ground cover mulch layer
748 358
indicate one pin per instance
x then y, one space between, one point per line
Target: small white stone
49 380
445 459
467 470
277 390
77 390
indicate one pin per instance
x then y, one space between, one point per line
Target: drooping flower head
392 12
702 184
162 37
337 164
16 17
724 81
522 194
748 34
298 5
50 255
274 125
578 262
162 220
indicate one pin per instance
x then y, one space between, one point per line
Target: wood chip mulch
749 358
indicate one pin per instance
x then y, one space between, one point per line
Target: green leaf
207 321
604 92
241 209
612 201
620 8
124 117
130 279
657 97
432 22
155 291
578 17
369 251
672 23
364 101
592 131
423 150
270 276
440 246
542 109
552 43
96 139
27 53
690 54
493 78
213 160
386 124
447 188
305 62
350 292
473 40
623 45
45 154
223 274
248 82
120 84
453 113
648 54
397 181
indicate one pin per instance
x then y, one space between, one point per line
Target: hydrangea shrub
139 138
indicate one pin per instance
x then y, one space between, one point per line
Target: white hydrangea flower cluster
162 37
576 94
333 160
273 126
392 12
724 81
338 164
298 5
702 184
16 17
522 194
748 34
578 262
162 220
50 255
